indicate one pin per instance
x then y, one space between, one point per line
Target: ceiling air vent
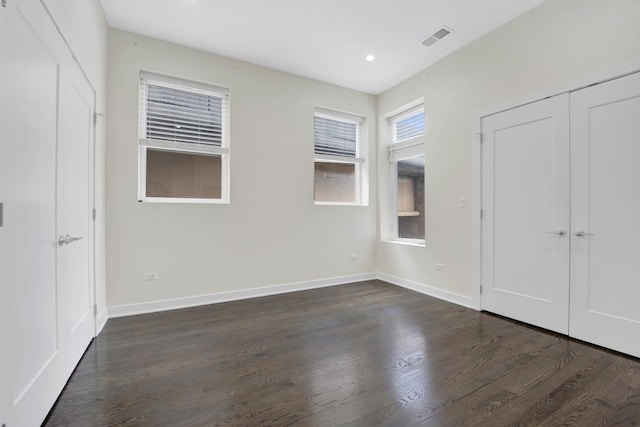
436 36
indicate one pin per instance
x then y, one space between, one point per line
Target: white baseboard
428 290
178 303
101 320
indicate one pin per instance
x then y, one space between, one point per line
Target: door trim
581 82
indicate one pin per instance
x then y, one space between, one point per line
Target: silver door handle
66 239
581 233
559 232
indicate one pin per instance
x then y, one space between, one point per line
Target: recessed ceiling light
370 58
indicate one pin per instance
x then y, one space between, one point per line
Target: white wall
271 233
83 25
553 43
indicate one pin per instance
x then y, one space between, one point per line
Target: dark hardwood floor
367 354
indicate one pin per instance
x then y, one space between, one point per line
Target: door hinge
93 214
481 213
95 117
480 139
95 309
480 289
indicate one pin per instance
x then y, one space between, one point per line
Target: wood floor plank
366 354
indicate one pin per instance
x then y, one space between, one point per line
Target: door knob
581 233
558 232
66 239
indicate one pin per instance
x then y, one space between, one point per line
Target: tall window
406 155
184 143
339 166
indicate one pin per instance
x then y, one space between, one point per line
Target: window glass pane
183 175
410 198
335 137
335 182
408 127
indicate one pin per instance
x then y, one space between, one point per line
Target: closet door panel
525 200
73 211
32 356
605 259
46 296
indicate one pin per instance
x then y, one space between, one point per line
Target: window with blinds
407 167
184 148
182 116
335 137
408 125
339 161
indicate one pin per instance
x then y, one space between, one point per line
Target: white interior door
525 202
34 365
4 304
44 288
74 206
605 260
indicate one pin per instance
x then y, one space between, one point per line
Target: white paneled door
74 202
46 190
605 200
560 199
33 366
525 246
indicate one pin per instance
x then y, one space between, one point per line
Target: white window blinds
335 136
183 114
408 125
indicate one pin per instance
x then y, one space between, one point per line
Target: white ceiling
326 40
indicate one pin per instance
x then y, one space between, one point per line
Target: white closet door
525 201
605 260
5 330
46 321
32 362
74 207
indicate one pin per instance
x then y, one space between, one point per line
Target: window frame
359 160
145 144
404 149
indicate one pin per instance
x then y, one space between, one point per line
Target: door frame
590 79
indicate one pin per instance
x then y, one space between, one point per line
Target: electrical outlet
353 257
440 267
462 202
150 276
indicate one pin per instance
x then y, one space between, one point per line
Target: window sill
407 242
183 201
337 204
